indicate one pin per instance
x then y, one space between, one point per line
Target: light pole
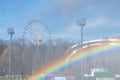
81 22
11 32
37 42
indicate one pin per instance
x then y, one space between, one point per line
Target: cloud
73 32
99 18
115 22
71 3
3 30
102 21
97 22
70 33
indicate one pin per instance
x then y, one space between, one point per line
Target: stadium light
81 22
10 32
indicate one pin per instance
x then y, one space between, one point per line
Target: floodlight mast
10 32
82 22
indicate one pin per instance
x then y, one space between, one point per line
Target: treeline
28 57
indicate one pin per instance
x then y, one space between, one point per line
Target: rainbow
61 62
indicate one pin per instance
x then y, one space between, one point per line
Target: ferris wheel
36 32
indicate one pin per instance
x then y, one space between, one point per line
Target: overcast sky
60 16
